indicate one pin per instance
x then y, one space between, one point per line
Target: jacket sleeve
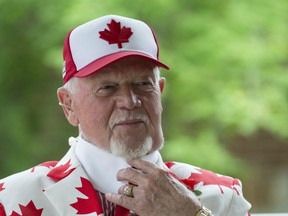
221 194
2 211
238 204
223 199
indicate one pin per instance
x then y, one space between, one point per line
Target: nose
127 99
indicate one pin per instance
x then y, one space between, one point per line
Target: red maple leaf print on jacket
2 187
28 210
47 164
2 211
60 172
210 178
116 34
91 203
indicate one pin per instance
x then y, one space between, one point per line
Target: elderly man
112 92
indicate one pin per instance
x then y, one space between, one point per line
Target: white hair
72 85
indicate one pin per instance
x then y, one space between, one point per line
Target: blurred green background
226 97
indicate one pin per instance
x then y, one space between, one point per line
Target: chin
120 149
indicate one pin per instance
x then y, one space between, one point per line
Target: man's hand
155 192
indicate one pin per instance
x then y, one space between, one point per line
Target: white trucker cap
95 44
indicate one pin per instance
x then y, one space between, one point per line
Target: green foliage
228 75
203 151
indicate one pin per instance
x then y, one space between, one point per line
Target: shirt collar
102 166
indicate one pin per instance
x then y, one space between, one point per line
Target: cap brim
106 60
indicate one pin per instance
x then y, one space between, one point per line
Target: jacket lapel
72 193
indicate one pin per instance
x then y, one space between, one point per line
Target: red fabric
120 211
69 66
61 171
115 34
91 203
2 211
28 210
104 61
2 187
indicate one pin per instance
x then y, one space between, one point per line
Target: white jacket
64 189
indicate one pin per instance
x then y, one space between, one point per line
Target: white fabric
271 214
102 167
86 46
69 184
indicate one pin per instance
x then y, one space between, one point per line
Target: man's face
119 108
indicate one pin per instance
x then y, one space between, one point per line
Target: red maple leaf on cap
60 172
210 178
91 203
116 34
1 187
28 210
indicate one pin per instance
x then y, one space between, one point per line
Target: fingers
152 191
120 199
130 174
138 171
144 166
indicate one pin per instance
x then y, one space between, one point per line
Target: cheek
154 109
91 114
95 125
101 114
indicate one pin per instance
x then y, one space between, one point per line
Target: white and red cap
95 44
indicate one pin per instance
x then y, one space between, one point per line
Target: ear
66 101
162 83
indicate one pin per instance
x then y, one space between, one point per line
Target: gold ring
128 190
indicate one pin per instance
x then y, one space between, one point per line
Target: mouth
129 121
132 122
